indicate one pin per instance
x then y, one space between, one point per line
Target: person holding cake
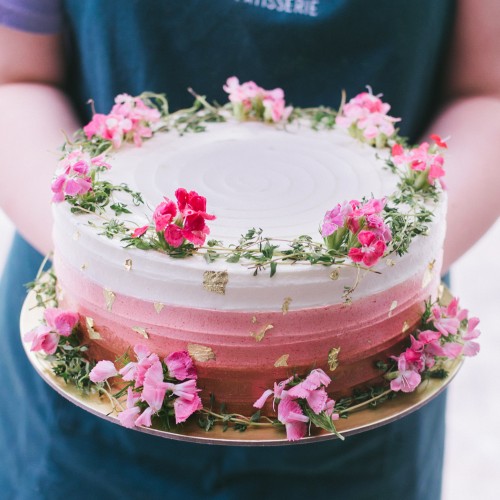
436 69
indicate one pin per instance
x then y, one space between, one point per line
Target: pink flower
61 321
330 408
421 159
408 377
191 203
372 249
138 232
447 319
144 418
184 408
365 116
180 365
335 218
290 414
471 348
317 400
251 101
42 339
129 416
137 370
262 400
164 214
174 235
102 371
130 120
154 388
195 230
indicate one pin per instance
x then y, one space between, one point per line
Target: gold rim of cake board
360 421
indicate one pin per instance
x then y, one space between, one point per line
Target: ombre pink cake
247 331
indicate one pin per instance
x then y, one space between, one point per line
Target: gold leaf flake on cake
393 306
59 292
282 361
109 298
389 262
428 274
406 326
259 334
334 275
128 264
89 323
254 319
83 267
76 235
201 353
286 305
215 281
333 358
141 331
158 307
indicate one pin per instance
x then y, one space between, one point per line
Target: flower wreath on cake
148 389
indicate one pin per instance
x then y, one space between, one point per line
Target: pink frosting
366 330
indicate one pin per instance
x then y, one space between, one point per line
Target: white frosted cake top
253 175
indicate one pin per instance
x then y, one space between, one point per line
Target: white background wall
472 462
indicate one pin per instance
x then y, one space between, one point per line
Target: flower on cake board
155 387
57 323
300 401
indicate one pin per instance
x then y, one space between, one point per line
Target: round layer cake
245 329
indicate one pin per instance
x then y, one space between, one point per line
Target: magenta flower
290 414
174 235
371 250
191 203
164 214
195 230
136 371
180 365
139 231
42 339
102 371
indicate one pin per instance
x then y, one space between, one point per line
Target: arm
471 118
34 114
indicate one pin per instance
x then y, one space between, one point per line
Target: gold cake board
359 421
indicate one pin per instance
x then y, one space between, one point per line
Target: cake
273 242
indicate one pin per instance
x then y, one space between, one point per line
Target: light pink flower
290 414
365 116
335 218
137 370
129 416
180 365
61 321
372 249
154 388
144 418
42 339
102 371
184 408
330 408
317 400
471 348
262 400
408 377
